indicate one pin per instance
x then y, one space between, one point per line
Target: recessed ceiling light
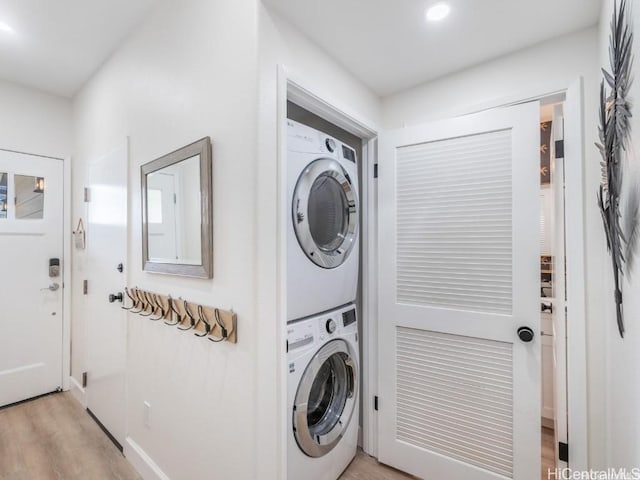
438 12
4 28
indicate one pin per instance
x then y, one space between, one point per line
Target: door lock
52 288
117 296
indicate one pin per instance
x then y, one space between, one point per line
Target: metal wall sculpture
621 226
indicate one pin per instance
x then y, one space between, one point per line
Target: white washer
323 224
322 394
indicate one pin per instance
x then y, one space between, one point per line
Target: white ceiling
59 44
389 46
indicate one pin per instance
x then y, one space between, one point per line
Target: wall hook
158 303
192 319
124 307
139 300
147 303
173 313
203 319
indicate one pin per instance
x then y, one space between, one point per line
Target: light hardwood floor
365 467
53 438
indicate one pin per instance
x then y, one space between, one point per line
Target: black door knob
117 296
525 334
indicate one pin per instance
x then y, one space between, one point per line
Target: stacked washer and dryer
322 326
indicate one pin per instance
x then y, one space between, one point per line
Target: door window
328 213
326 399
329 392
29 192
325 213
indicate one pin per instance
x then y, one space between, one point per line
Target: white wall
622 438
188 71
280 44
544 68
32 121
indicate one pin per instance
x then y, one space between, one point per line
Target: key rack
214 324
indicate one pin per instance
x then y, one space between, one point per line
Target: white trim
369 297
142 462
281 281
298 90
77 391
66 275
576 296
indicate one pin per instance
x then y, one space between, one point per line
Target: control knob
331 326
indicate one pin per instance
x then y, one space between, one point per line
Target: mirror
177 206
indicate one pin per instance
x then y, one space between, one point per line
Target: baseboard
548 423
144 465
78 392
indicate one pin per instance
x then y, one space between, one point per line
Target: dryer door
326 399
325 213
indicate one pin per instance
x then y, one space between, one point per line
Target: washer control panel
300 335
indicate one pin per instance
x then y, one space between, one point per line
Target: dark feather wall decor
614 132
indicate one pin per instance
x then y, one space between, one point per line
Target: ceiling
389 46
58 44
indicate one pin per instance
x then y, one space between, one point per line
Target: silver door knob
53 287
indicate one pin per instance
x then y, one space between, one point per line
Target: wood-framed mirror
177 212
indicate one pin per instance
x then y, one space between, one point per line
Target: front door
459 340
31 246
106 325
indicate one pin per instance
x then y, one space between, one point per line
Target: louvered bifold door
459 274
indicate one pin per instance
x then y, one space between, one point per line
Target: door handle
117 296
525 334
52 288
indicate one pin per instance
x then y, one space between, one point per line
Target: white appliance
322 394
322 238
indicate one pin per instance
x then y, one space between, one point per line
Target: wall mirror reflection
3 195
177 212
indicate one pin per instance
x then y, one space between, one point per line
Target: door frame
307 94
65 372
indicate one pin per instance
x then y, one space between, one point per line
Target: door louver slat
454 207
456 405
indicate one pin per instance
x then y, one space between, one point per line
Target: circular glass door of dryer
326 399
325 213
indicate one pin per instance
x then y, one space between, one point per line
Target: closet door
459 305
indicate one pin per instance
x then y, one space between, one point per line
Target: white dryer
323 226
322 394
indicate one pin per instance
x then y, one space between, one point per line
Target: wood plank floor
53 438
365 467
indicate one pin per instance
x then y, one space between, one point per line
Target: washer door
325 213
326 399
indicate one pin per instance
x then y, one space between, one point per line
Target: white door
459 276
106 322
31 237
